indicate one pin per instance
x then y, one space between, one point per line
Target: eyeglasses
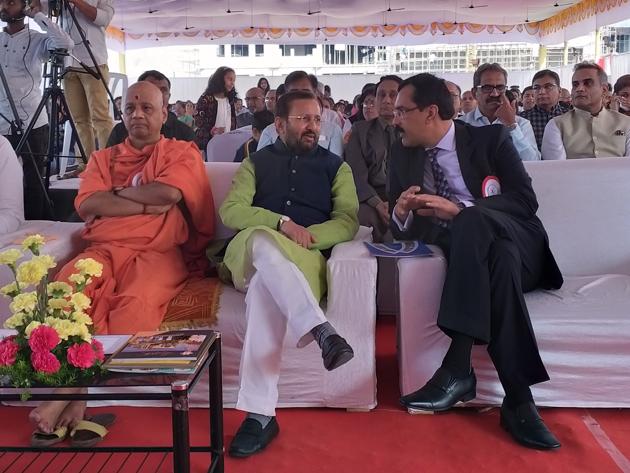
248 99
548 87
402 112
488 89
306 119
368 105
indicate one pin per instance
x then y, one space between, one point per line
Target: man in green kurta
291 201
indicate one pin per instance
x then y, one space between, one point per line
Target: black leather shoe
252 438
336 352
527 427
441 392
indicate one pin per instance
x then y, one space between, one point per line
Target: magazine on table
399 249
172 350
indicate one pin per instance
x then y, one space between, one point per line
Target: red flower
43 339
45 362
81 355
8 351
98 350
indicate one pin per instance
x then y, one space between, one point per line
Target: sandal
43 440
91 431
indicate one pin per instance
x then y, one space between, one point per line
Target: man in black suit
466 190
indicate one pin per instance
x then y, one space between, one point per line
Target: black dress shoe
336 352
252 438
527 427
441 392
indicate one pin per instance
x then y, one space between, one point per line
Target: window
260 50
221 51
297 49
240 50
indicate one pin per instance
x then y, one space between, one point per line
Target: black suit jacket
481 152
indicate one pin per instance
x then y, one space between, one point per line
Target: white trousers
279 304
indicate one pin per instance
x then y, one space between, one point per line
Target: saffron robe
146 259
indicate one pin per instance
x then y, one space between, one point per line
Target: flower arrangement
53 345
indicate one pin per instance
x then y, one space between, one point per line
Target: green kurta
237 212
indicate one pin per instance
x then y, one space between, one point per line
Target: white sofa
304 382
583 329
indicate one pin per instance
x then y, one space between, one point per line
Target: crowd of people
412 159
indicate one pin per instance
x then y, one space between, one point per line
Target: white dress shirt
522 135
330 137
553 148
11 190
449 162
21 57
94 32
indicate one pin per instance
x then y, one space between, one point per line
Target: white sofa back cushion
220 177
566 191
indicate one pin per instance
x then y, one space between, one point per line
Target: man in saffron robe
148 210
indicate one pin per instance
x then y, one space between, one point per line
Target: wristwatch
512 126
283 219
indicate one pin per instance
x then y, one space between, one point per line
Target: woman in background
215 108
263 84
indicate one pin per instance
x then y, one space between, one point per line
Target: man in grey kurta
291 201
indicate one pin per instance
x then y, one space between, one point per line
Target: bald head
144 113
255 100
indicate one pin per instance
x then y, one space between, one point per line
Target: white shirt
522 135
330 136
94 32
11 190
21 58
448 161
553 148
224 114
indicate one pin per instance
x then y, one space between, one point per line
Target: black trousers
34 196
493 259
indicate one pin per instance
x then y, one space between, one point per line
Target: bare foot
71 415
45 416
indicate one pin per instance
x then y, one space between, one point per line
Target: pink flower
8 351
81 355
98 350
43 339
45 362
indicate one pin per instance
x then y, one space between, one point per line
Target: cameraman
85 94
21 58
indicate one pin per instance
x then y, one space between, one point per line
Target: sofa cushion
196 306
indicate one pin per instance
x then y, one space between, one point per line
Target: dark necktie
442 188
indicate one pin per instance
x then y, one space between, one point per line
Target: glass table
176 388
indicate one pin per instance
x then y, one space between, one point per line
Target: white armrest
420 282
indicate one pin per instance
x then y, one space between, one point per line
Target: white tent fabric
140 24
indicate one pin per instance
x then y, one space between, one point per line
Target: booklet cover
399 249
178 346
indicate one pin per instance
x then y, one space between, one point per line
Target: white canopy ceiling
377 22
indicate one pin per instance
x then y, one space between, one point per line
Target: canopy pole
542 57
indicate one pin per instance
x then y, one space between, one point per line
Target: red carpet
386 440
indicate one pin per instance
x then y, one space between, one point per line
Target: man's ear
164 114
432 112
281 126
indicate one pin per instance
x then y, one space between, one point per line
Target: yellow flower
30 327
10 257
59 289
80 301
33 243
46 261
84 333
10 290
77 278
15 321
58 304
32 272
82 318
25 302
89 267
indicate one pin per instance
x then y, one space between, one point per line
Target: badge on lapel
490 186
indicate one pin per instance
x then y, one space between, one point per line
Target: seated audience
260 121
546 87
270 101
621 99
11 189
368 154
216 112
255 102
181 112
565 98
456 94
590 130
172 128
529 99
148 211
496 248
469 103
367 104
292 201
330 137
489 87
